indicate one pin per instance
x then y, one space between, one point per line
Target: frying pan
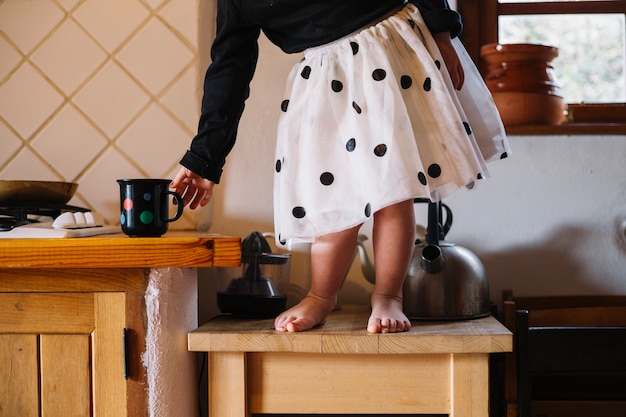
56 192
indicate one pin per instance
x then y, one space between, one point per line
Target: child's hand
192 188
450 58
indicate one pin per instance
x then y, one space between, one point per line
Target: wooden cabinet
64 350
73 320
65 354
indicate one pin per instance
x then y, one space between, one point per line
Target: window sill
568 129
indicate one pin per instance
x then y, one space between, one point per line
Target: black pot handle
448 223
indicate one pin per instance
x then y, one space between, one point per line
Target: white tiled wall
96 90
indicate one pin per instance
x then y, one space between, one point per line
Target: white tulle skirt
373 119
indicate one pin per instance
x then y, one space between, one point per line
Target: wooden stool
339 368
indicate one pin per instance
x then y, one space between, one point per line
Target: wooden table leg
227 384
470 387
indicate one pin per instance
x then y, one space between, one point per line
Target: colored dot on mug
128 204
147 196
146 217
122 218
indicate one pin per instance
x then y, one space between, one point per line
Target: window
591 37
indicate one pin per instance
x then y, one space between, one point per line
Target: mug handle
179 206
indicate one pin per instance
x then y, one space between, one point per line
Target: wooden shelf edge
176 250
567 129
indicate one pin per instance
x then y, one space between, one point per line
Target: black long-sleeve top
293 25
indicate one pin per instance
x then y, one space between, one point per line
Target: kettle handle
448 223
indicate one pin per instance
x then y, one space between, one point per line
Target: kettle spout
432 259
367 267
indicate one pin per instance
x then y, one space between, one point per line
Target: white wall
81 99
552 219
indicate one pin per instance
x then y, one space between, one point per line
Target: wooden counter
339 368
70 302
179 249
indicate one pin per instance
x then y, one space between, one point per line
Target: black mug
144 206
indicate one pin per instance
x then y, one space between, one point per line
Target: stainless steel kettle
444 281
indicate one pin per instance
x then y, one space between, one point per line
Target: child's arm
194 190
439 17
234 55
450 58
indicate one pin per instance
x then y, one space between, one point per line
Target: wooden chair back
569 356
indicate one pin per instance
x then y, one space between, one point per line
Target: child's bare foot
305 315
387 315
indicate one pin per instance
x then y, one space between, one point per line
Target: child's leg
330 258
394 240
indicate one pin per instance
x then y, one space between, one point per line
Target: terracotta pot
522 82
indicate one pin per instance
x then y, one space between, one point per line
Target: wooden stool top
345 332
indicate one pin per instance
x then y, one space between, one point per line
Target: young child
385 106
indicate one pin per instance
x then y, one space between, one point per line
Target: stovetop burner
14 214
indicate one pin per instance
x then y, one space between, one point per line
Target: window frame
480 19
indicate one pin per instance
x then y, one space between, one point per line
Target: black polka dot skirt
373 119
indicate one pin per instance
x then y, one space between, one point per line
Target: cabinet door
62 354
